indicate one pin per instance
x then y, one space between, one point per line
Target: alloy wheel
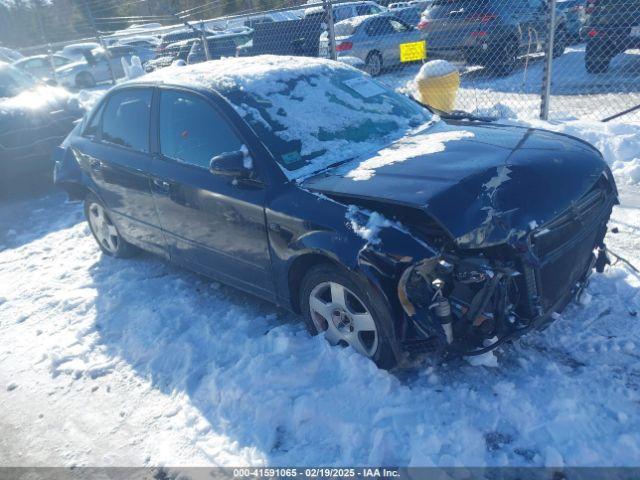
103 228
343 317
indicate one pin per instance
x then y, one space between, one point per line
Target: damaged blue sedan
390 229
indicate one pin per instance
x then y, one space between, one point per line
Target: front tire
560 42
104 230
347 312
597 57
505 59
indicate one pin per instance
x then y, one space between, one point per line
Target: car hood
38 99
483 183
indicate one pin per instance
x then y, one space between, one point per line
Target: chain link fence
556 59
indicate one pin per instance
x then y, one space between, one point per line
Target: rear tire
560 42
373 64
597 58
104 230
357 316
505 58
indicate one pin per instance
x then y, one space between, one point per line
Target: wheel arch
299 268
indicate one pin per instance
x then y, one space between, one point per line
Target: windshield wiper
455 115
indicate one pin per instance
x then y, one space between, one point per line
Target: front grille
565 271
564 247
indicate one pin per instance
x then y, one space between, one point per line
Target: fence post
45 40
328 9
100 41
205 44
548 61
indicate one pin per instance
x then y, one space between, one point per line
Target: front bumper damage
464 303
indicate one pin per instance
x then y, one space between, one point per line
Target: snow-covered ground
574 92
137 362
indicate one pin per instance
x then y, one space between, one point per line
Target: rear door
213 224
115 152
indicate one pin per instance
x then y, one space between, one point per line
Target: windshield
345 114
14 81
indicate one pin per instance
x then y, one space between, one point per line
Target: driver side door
213 224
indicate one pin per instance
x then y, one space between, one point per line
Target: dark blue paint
251 233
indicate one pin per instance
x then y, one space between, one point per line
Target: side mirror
51 82
232 164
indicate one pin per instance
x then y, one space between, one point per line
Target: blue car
309 184
575 17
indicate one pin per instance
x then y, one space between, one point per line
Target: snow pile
133 70
435 68
87 99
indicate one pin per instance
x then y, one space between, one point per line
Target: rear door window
192 131
125 120
379 26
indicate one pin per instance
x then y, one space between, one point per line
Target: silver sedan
375 39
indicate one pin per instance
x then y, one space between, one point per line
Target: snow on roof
238 72
335 100
355 22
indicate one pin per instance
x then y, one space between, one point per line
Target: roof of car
235 72
357 21
312 10
81 45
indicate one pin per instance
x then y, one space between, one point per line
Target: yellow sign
413 52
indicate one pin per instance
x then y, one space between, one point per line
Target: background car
34 118
221 45
40 66
180 35
395 5
375 39
146 41
491 33
77 51
575 17
612 28
178 51
98 65
345 10
410 15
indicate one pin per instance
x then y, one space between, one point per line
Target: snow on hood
412 146
34 99
310 112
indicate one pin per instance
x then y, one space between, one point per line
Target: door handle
161 186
